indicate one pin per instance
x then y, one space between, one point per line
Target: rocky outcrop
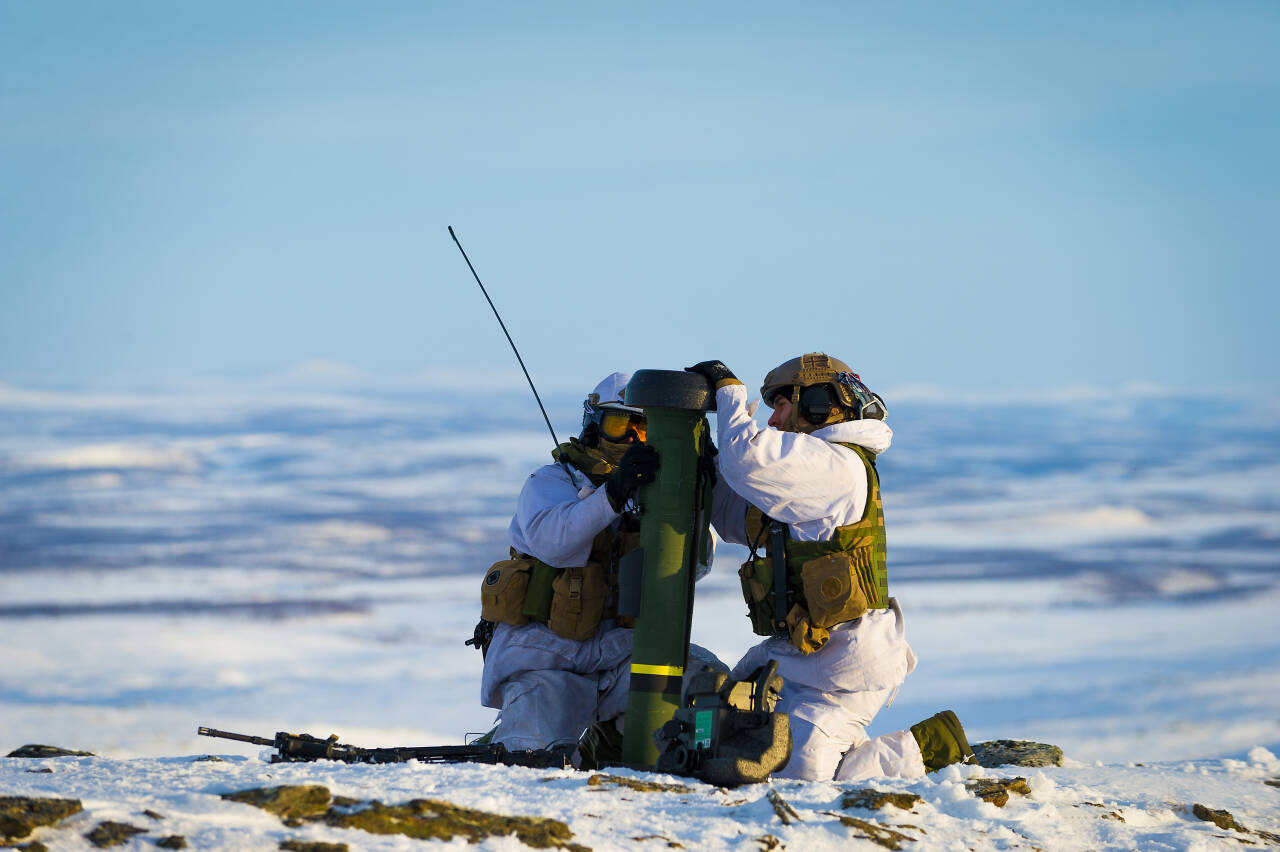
286 802
869 799
997 790
107 834
1016 753
37 750
1224 820
20 815
420 818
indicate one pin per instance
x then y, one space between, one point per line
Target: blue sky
984 196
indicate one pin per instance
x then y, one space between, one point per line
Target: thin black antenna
508 334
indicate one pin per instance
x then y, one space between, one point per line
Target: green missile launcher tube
673 529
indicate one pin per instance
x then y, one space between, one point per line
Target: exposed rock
298 800
44 770
1109 815
427 818
873 800
33 846
1220 818
876 833
173 841
20 815
36 750
671 844
208 758
637 784
1016 753
768 843
312 846
1223 819
997 790
421 818
1272 782
113 834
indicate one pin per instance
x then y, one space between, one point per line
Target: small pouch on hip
503 590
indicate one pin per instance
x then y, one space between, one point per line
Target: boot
942 741
599 746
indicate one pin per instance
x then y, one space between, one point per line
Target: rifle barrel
227 735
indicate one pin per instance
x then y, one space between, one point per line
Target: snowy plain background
1094 570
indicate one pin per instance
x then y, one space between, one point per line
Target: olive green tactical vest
864 541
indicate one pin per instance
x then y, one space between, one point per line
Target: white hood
875 435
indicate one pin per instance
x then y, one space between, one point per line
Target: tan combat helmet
823 390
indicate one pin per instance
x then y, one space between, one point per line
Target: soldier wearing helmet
804 496
557 660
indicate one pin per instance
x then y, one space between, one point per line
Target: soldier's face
781 417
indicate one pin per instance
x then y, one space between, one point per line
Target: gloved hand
716 371
638 465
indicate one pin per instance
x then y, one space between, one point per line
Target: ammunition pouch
577 602
570 601
826 590
504 590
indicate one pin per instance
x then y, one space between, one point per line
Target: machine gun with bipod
296 748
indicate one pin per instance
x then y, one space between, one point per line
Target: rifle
296 748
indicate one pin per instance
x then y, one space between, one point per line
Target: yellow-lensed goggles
614 425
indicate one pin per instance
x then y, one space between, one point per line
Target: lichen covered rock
637 784
20 815
1016 753
107 834
997 790
429 818
287 801
37 750
420 818
873 800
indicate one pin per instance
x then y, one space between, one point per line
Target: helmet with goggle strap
605 416
822 390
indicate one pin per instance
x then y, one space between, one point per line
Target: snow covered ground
1093 571
1070 808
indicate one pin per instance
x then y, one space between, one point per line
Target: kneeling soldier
805 497
558 660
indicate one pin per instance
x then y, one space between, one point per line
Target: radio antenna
508 334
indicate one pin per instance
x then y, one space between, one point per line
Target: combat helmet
823 390
607 417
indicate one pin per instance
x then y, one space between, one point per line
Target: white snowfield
311 564
1072 808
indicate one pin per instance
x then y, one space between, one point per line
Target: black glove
716 371
639 464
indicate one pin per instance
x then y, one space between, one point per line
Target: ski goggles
615 424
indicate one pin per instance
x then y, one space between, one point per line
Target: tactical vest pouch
577 603
537 598
503 590
802 633
757 590
833 590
